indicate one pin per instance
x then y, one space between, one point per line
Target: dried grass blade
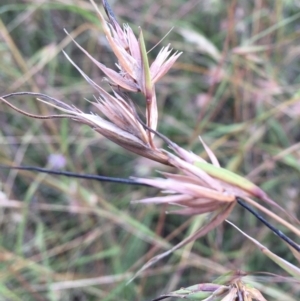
274 216
213 223
287 266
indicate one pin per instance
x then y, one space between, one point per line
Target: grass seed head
231 290
135 73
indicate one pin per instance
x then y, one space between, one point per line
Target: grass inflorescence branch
126 181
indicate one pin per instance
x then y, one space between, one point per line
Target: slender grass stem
289 241
75 175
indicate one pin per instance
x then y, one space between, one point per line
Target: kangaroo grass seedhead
135 73
198 186
230 288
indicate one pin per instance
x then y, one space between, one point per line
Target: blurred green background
236 84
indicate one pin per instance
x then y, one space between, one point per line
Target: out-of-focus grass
236 84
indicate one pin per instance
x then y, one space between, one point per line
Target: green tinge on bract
198 296
186 290
223 279
193 292
145 65
189 293
287 266
228 177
